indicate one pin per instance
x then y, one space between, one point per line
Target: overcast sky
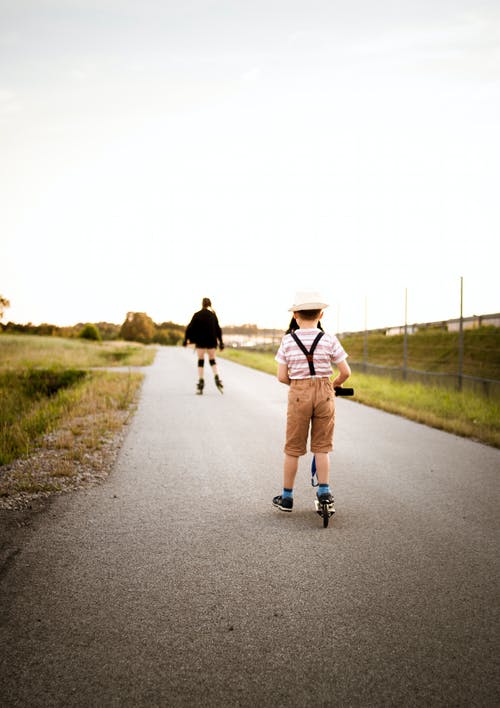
153 152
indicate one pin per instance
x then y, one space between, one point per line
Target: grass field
49 383
24 351
465 413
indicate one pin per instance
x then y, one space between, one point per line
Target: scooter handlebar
339 391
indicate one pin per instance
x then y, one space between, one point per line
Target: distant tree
90 331
4 304
46 329
168 337
138 327
246 329
108 330
172 326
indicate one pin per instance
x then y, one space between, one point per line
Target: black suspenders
309 354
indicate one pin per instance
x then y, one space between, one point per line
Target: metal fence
268 340
400 370
462 382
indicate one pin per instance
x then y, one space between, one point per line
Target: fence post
461 337
405 339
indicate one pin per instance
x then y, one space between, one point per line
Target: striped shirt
328 351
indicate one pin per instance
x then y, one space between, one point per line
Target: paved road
175 583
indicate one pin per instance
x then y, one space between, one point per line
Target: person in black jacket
205 333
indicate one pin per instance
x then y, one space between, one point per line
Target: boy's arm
344 371
283 374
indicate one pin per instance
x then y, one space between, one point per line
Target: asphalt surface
175 583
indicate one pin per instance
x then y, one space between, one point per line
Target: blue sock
287 493
323 489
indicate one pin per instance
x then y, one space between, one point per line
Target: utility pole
365 344
461 337
405 339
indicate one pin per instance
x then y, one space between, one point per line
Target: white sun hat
308 300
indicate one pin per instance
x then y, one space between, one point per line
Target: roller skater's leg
213 363
201 363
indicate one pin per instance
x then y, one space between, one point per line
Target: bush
168 337
47 382
90 331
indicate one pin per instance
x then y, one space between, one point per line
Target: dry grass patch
81 443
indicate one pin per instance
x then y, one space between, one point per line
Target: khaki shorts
311 402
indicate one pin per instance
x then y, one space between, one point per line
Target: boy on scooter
305 359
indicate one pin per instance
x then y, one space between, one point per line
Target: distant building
474 322
453 325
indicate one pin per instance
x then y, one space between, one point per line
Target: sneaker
328 499
283 504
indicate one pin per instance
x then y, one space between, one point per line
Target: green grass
467 414
263 361
432 350
463 413
30 411
24 351
43 380
72 428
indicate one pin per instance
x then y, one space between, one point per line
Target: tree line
137 327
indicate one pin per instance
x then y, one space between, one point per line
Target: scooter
323 508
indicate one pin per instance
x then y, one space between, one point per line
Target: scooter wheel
326 515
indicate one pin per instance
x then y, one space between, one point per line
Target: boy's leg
322 429
322 467
284 501
297 429
324 492
290 468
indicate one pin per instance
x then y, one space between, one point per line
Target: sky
155 152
